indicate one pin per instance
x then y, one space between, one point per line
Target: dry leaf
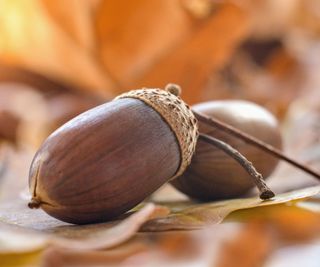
208 50
30 38
17 99
196 248
31 259
9 123
15 241
201 215
102 238
209 247
76 19
111 237
27 245
134 35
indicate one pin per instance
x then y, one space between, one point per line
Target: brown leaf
31 39
181 248
133 36
92 239
76 19
206 51
9 123
111 237
32 125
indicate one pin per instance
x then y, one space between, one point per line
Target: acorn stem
173 89
265 191
253 141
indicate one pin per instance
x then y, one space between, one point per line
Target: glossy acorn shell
214 175
104 162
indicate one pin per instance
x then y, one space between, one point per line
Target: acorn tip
34 203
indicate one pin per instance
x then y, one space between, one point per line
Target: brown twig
253 141
265 191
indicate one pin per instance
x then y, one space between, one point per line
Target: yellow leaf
31 259
13 241
200 215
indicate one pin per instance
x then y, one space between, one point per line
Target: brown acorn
212 173
107 160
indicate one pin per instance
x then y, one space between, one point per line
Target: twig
253 141
265 191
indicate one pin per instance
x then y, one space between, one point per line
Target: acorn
108 159
212 173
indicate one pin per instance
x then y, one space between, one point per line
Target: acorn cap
177 115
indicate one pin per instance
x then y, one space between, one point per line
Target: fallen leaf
76 19
201 215
17 99
22 240
31 259
193 248
206 51
113 236
15 241
129 44
30 38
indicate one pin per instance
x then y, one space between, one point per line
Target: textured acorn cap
177 115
